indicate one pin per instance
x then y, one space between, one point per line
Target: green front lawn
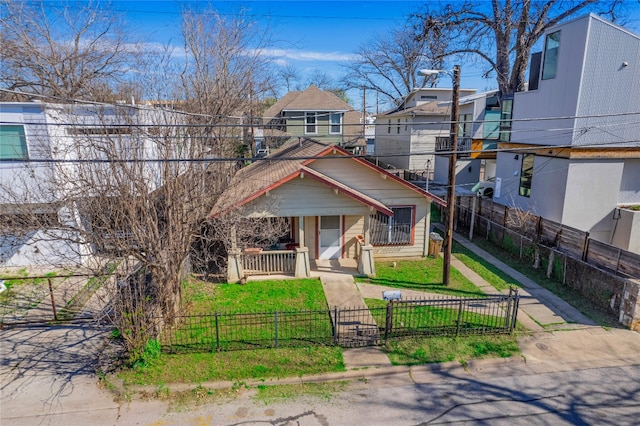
492 274
417 351
422 275
236 365
203 297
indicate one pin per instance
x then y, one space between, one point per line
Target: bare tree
77 51
125 184
501 34
389 65
289 76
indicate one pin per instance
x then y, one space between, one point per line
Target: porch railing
269 262
444 144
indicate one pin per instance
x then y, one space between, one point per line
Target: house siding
296 127
304 196
353 226
584 211
20 176
608 87
311 232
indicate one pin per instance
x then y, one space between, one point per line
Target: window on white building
526 175
13 143
550 64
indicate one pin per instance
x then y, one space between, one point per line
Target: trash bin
435 244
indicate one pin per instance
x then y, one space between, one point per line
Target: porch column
234 238
301 233
303 268
367 227
366 264
235 272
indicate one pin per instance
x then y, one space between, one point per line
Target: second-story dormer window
310 123
335 124
550 64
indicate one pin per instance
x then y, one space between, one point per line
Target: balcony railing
444 145
268 262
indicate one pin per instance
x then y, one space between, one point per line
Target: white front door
330 233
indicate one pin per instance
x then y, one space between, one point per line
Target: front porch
252 262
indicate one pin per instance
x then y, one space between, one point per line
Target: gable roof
289 163
312 99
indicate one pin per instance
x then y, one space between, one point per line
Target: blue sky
311 34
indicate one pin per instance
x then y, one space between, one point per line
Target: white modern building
574 150
45 152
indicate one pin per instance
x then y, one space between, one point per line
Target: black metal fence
361 326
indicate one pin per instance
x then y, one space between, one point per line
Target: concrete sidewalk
540 309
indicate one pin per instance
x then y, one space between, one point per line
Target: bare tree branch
503 34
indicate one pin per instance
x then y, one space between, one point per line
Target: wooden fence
573 242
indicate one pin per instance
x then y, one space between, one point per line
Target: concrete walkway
356 327
540 309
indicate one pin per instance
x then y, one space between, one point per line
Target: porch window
335 124
310 121
392 230
13 143
526 175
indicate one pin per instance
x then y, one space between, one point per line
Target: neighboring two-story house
406 136
317 114
574 151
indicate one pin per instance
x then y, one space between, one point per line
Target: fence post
275 315
507 320
514 315
53 301
460 307
217 333
585 247
521 247
388 324
335 325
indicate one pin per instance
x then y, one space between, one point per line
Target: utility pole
451 193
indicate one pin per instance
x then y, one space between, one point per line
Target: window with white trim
310 123
335 124
13 143
392 230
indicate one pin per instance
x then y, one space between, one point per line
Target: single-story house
340 207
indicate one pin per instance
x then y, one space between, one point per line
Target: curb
400 375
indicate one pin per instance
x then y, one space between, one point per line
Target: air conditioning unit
485 189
